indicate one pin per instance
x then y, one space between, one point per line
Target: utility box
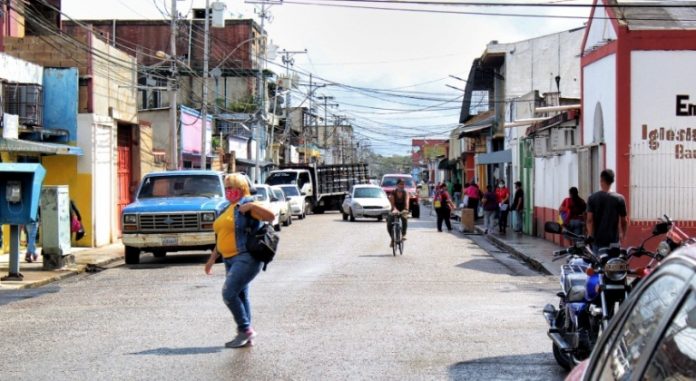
20 189
55 227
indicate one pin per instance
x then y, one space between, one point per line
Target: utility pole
289 61
260 91
204 106
326 119
173 137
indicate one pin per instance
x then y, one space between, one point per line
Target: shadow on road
10 296
180 351
488 265
534 366
376 255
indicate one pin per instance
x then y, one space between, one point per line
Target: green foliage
245 104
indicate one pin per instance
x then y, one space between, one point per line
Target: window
261 194
369 193
291 191
181 186
304 179
675 355
627 342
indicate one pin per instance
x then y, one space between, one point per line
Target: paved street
335 305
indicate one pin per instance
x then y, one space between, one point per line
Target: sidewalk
86 259
535 251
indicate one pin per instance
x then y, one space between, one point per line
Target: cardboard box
467 220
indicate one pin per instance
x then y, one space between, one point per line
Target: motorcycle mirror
661 228
553 227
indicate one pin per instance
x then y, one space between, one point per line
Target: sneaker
242 339
403 238
29 258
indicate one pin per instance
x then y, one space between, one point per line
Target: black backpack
262 243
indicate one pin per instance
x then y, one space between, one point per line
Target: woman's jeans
576 226
502 221
31 229
489 220
240 270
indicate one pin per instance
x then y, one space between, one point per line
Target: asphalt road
334 305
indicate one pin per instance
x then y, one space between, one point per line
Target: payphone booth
20 190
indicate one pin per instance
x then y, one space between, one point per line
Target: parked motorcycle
675 238
593 287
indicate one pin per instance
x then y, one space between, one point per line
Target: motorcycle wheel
565 360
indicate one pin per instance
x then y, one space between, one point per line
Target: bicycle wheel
397 238
401 247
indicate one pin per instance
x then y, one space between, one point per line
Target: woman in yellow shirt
240 267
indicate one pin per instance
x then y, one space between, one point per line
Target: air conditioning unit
563 139
24 100
541 145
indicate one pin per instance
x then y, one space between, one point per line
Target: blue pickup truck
173 211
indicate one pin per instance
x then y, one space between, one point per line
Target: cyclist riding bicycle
399 204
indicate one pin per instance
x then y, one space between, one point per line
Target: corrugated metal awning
470 130
496 157
28 146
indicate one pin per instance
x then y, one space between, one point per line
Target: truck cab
173 211
388 184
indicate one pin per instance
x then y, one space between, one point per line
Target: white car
263 195
283 205
365 200
297 200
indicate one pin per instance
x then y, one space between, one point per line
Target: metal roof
32 147
656 15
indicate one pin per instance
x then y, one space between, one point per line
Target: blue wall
61 91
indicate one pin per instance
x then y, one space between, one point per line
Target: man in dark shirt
606 213
517 206
399 203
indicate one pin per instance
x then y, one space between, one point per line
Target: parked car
653 337
365 200
388 184
264 194
283 205
297 200
173 211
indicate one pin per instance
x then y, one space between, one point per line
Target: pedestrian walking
240 267
490 207
607 220
503 195
473 194
443 207
518 206
31 229
572 212
457 193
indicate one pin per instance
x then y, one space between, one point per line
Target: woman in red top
503 195
572 212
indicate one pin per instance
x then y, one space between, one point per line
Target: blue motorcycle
593 286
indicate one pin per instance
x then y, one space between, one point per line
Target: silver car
365 200
297 200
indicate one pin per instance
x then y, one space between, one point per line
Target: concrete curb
76 269
512 250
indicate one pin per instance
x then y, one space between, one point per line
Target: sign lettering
683 135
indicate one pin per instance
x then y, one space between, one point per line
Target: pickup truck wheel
307 208
276 227
352 217
303 215
345 216
287 221
159 253
132 255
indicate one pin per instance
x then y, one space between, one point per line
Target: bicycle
397 241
